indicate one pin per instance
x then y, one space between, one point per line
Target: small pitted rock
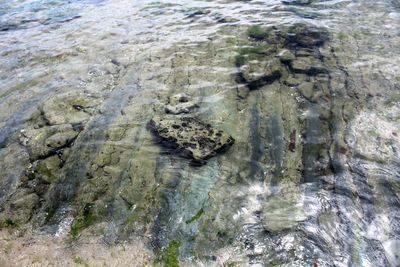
180 103
191 137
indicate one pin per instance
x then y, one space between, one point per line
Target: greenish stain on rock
240 60
49 213
196 216
83 221
253 52
275 179
130 220
258 32
395 185
8 248
78 260
8 224
46 169
392 100
275 262
171 253
343 36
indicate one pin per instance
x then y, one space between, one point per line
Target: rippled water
313 178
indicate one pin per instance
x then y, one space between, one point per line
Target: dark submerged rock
297 2
273 52
304 35
308 65
191 137
257 74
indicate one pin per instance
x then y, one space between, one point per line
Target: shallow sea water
313 178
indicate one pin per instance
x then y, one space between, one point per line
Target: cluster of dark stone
274 51
186 135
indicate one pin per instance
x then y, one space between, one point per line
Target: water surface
313 176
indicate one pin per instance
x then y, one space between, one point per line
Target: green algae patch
49 213
47 168
83 221
8 248
275 262
78 260
171 253
258 32
8 224
256 52
343 36
132 219
196 216
240 60
392 100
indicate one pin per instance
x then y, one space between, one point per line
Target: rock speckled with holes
190 136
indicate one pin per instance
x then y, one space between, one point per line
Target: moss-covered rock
7 223
258 33
82 221
45 141
20 207
170 254
46 170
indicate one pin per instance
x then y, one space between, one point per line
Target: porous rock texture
190 136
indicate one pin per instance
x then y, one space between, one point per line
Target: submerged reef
273 53
248 147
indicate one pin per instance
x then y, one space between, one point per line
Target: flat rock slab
43 142
308 65
69 108
190 136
